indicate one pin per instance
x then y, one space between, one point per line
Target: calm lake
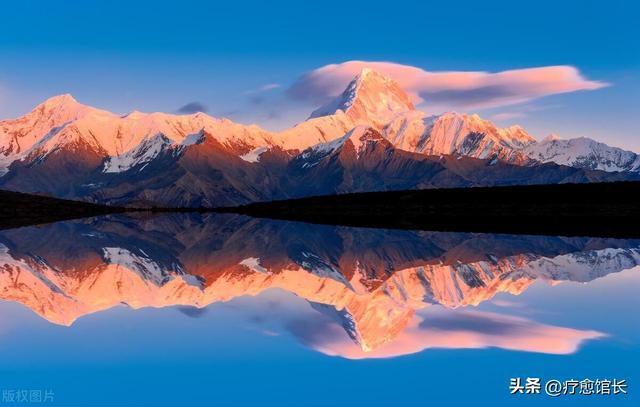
227 310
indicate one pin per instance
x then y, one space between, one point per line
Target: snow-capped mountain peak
19 135
370 98
61 109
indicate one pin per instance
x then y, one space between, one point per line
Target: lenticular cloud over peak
451 89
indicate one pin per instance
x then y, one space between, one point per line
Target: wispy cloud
508 116
259 95
507 303
520 112
457 89
264 88
192 107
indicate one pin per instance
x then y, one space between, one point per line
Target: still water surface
226 310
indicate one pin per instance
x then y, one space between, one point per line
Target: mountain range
369 138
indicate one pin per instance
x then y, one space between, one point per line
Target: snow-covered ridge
583 153
454 133
359 136
125 141
148 149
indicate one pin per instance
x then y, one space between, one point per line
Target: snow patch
191 139
253 156
253 263
358 138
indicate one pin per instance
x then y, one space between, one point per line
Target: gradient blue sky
159 56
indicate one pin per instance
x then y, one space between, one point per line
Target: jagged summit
370 98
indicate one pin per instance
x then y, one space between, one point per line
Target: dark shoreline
18 209
596 209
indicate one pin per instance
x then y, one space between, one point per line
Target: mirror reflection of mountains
372 281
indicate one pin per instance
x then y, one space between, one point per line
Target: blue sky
229 57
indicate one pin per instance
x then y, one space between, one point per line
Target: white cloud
453 89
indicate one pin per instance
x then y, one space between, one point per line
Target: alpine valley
370 138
